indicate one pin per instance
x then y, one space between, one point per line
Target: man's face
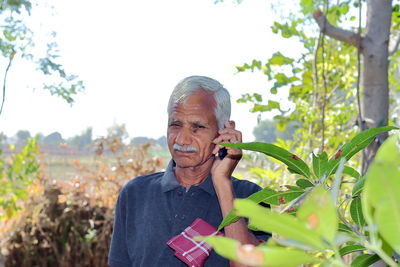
192 126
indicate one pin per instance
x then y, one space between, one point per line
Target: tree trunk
375 85
374 77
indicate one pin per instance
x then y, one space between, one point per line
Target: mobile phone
222 152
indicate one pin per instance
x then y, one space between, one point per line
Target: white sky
131 53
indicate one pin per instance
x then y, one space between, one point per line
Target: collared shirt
153 208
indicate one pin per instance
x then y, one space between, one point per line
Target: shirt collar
169 182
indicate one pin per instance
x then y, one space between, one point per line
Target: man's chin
185 163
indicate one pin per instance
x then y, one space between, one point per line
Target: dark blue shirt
153 208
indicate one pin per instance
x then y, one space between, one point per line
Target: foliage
69 223
321 79
83 140
16 174
316 223
18 40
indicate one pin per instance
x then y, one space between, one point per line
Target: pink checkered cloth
193 253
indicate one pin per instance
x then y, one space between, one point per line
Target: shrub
70 223
318 224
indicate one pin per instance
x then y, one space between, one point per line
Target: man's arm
221 173
237 230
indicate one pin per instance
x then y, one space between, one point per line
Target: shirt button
183 217
176 216
192 194
180 193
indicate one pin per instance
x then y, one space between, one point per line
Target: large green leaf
358 143
358 187
320 163
350 249
352 172
265 195
381 194
268 256
304 183
224 246
257 197
294 163
344 228
319 214
365 260
279 59
356 211
283 224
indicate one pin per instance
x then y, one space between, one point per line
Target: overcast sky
131 53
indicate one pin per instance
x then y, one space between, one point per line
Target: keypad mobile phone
222 153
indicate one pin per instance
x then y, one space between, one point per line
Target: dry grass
68 222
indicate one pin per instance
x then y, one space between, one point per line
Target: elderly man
152 209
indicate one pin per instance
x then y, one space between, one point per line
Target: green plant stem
338 259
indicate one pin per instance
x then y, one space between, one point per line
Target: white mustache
184 148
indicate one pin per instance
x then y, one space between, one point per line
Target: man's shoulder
143 181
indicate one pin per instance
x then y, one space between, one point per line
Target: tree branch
346 36
395 47
5 80
315 92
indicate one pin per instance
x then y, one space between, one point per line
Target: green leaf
356 211
304 183
344 8
279 59
262 108
269 256
319 213
283 224
381 194
320 163
306 6
365 260
294 163
344 228
224 246
350 249
256 197
359 142
352 172
358 187
265 195
284 196
281 126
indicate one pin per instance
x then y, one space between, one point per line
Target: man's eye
199 126
174 124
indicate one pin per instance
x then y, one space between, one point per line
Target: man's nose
183 137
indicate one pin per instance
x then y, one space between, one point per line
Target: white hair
191 84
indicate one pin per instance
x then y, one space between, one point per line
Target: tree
83 140
324 81
118 130
53 139
267 131
18 40
373 46
22 137
140 140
